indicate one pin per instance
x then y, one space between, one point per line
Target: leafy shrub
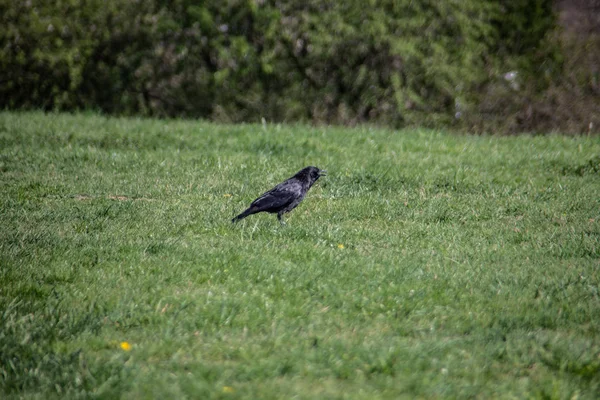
390 62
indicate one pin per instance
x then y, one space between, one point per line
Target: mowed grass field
425 265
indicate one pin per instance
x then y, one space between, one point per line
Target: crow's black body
284 197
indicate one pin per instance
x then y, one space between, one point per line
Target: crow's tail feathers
243 215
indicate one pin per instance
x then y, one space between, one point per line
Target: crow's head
311 174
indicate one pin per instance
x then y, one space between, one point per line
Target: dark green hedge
392 62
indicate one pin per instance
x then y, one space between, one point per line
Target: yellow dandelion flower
228 389
227 195
340 246
125 346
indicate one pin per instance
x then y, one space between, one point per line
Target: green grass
425 265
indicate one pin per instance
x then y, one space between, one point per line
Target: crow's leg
281 221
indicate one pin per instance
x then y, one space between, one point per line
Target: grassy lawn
425 265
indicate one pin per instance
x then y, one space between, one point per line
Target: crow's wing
278 197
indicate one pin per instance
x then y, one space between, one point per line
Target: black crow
284 197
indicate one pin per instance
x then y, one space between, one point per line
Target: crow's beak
322 173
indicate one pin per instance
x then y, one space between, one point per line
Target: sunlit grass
424 265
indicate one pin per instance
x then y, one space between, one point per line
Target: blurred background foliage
480 65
